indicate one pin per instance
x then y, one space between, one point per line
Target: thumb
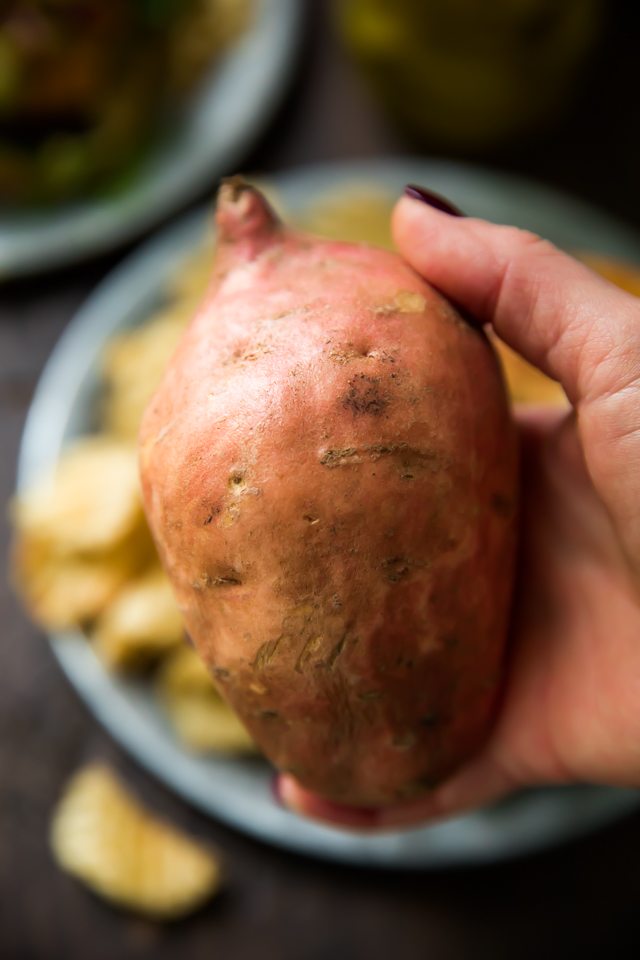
572 324
480 782
558 314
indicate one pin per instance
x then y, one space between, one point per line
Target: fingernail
439 203
432 199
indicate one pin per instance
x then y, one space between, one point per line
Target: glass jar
471 73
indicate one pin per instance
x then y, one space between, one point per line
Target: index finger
553 310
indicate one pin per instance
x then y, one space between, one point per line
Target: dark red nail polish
432 199
439 203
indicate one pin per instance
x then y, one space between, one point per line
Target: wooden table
580 899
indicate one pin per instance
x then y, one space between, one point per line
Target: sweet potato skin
329 470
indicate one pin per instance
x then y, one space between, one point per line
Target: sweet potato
329 470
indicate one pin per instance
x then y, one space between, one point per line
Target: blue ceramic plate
238 791
208 138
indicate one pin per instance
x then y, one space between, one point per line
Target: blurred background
116 119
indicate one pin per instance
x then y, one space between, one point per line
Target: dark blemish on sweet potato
310 646
227 581
404 741
490 683
269 715
330 457
350 351
364 396
336 688
248 353
428 782
335 653
228 578
412 460
340 457
346 354
368 695
431 720
310 519
220 673
213 512
402 661
265 654
377 450
502 504
384 356
396 568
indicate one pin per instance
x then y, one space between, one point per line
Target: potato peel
184 672
89 504
132 364
64 594
206 724
141 625
104 837
201 718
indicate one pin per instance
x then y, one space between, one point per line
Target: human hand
571 705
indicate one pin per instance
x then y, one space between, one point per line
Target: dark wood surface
581 899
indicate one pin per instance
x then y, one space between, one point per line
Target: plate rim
97 224
322 842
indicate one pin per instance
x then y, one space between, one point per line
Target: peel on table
329 471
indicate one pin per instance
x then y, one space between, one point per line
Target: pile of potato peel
104 837
83 557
